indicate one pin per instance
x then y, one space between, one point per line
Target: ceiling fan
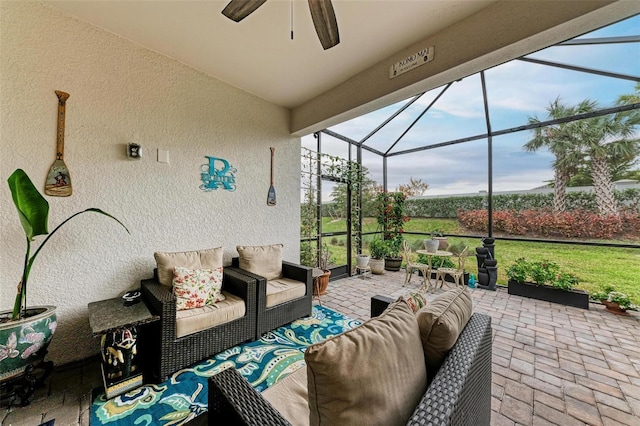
324 18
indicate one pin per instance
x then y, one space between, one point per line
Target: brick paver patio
552 365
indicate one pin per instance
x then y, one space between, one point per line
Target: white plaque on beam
410 62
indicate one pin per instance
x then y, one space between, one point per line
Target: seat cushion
197 259
193 320
371 375
289 396
441 321
284 289
265 261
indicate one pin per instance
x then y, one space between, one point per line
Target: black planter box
576 298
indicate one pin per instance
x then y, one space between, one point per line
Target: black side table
117 325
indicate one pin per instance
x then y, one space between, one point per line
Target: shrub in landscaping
546 223
543 272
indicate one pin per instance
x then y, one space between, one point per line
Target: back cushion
198 259
265 261
441 321
371 375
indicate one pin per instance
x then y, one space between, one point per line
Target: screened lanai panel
450 170
373 179
457 113
517 169
385 137
357 128
519 91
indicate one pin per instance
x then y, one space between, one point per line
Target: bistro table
116 324
429 254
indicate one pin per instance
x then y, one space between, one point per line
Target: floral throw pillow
415 300
195 288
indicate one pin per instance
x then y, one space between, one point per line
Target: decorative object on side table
549 283
26 332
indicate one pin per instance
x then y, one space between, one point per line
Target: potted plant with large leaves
25 332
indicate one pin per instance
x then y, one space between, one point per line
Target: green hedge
448 207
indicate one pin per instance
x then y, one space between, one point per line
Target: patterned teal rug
184 395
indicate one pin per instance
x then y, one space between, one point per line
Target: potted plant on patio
547 283
393 259
25 332
614 301
378 249
322 282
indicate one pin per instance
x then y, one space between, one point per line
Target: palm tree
558 140
604 140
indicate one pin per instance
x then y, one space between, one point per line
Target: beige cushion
371 375
265 261
198 319
289 397
441 321
284 289
198 259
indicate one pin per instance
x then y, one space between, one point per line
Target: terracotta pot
321 284
443 242
614 308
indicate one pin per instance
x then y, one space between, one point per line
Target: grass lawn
594 266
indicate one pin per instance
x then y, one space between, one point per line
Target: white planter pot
431 245
377 266
362 260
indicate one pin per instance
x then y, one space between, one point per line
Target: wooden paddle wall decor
271 197
58 183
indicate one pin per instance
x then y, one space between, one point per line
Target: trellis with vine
337 169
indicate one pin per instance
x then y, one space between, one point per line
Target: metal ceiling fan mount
322 14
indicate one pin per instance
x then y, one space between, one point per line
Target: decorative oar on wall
58 183
271 198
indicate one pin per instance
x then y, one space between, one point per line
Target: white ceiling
257 54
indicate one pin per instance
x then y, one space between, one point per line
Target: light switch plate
163 156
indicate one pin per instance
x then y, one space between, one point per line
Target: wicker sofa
459 394
169 352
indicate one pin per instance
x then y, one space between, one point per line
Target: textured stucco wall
123 93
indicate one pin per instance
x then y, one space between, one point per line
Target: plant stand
575 298
20 390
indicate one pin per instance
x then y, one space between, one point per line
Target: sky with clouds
516 91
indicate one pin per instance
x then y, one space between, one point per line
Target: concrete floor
552 365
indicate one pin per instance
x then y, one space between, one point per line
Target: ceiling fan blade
237 10
324 19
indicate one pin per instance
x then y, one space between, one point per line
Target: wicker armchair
270 318
459 394
171 353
